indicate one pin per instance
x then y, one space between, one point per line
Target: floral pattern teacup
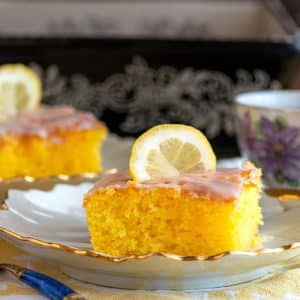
268 131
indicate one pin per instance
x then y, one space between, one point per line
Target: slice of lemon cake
200 213
177 203
50 141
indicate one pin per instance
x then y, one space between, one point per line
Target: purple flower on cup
274 145
245 127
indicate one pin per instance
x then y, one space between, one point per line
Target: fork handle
49 287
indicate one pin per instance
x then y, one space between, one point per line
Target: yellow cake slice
50 141
195 213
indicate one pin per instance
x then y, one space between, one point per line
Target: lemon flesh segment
20 89
169 150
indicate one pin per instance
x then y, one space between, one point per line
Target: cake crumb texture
137 221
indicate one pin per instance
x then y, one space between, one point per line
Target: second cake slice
50 141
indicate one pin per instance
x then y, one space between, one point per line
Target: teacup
268 131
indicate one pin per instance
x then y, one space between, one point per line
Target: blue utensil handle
48 286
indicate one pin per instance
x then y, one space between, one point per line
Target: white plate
52 225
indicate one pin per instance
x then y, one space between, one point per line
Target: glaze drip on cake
47 121
223 184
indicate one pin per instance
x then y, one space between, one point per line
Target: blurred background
139 63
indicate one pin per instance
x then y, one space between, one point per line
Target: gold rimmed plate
56 230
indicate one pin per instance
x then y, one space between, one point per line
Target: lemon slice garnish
20 90
169 150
